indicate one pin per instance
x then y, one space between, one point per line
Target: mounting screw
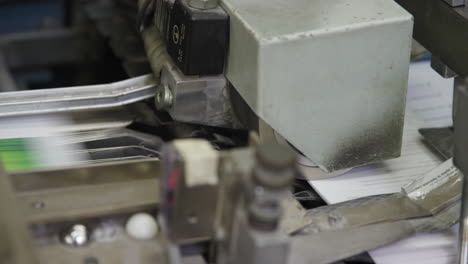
275 166
164 98
38 204
203 4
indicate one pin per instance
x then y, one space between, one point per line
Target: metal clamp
195 99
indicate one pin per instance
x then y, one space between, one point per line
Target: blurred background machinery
326 80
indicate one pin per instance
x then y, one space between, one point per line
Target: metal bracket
195 99
441 68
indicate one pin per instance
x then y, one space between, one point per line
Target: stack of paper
429 104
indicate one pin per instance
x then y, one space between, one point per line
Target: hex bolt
203 4
272 175
264 215
275 166
38 205
164 98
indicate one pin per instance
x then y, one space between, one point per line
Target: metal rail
77 98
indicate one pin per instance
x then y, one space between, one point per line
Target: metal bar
460 152
77 98
460 159
126 171
442 29
89 201
87 191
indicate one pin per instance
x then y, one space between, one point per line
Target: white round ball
142 226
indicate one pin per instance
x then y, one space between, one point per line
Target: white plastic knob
142 226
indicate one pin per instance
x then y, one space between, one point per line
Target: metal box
329 76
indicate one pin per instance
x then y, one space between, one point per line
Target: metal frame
101 197
441 29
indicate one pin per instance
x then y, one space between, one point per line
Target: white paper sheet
437 248
429 104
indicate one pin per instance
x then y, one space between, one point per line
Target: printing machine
226 105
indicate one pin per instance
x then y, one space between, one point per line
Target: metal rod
460 158
463 235
77 98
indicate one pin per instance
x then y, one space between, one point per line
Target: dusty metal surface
335 136
87 191
88 201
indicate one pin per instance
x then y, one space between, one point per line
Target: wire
144 17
